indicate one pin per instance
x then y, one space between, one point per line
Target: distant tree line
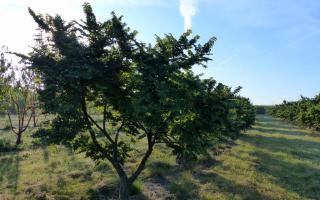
262 109
304 112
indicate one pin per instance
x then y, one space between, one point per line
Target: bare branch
90 120
12 128
24 128
143 161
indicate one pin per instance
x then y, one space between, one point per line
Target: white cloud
188 8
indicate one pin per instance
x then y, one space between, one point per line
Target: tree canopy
304 112
108 90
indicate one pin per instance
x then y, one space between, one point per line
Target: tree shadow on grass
103 191
50 167
299 178
228 187
292 132
270 124
182 182
174 181
296 176
158 181
171 181
110 191
298 148
9 173
267 121
45 154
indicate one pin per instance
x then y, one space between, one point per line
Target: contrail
188 8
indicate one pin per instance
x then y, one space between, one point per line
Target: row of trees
108 91
304 112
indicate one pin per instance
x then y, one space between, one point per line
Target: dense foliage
304 112
108 90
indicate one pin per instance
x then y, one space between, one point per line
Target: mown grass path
273 160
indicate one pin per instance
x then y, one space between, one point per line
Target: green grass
273 160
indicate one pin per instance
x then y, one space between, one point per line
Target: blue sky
269 47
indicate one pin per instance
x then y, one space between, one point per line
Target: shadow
229 188
292 132
158 169
300 149
297 147
9 173
157 183
103 191
45 154
267 121
50 167
298 178
110 191
179 188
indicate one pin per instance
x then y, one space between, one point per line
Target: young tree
17 95
142 92
22 104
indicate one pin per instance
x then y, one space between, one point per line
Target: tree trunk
19 139
124 189
34 118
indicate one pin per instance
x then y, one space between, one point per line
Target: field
273 160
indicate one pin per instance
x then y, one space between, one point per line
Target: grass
273 160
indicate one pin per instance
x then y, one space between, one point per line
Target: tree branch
104 117
115 146
105 133
12 128
24 128
143 161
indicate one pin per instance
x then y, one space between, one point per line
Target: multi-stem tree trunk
125 182
113 157
23 124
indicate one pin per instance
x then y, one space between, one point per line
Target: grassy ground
273 160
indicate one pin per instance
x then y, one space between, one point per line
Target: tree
17 95
4 78
304 112
22 103
245 113
142 92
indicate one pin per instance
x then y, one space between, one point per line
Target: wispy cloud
188 8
